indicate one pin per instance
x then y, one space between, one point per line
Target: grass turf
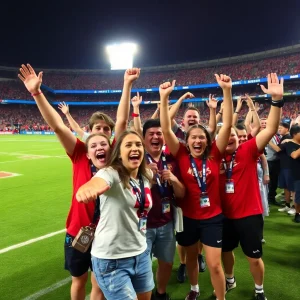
37 202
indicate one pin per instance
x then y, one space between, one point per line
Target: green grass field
36 203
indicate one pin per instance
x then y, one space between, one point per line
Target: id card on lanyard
229 185
163 188
204 199
140 196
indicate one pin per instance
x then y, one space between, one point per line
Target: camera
84 239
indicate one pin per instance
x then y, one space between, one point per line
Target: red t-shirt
190 205
245 201
80 214
156 218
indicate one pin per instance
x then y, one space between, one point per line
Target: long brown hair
116 163
207 135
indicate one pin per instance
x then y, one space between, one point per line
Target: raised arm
156 113
275 89
172 142
124 106
74 125
223 136
237 111
136 102
175 107
219 114
91 190
212 105
33 84
255 125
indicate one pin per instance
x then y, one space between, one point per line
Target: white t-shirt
117 234
85 136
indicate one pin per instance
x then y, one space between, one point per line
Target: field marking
37 150
8 174
31 241
27 158
49 289
40 141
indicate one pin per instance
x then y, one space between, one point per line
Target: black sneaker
202 263
260 296
192 295
297 218
181 273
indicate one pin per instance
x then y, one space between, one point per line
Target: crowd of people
169 174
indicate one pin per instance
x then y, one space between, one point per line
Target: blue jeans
123 279
161 242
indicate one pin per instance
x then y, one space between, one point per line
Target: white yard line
49 289
43 237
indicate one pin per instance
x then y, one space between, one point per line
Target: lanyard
200 180
228 171
140 193
162 188
97 207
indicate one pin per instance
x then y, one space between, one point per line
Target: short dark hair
285 125
192 108
151 123
294 130
240 127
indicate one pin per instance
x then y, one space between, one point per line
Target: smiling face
233 142
197 142
190 118
242 136
154 140
131 152
101 127
98 151
263 123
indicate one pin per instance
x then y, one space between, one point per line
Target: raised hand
224 81
132 74
31 81
212 102
191 104
188 95
257 107
239 104
275 88
136 100
166 89
250 102
63 107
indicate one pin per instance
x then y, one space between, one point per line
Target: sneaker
181 273
202 263
192 295
229 286
260 296
297 218
292 212
284 209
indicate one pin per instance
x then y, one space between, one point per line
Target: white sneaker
292 212
284 209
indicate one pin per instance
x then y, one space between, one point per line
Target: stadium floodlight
121 55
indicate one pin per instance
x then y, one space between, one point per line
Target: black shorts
208 231
247 231
76 262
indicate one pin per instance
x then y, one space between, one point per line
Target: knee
79 282
215 268
254 263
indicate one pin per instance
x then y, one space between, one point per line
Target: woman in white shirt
121 263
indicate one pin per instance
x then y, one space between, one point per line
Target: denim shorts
124 278
161 242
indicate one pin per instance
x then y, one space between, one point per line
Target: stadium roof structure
193 65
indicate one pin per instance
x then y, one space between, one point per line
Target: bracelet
278 103
266 174
134 115
38 93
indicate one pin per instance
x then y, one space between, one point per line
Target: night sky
74 34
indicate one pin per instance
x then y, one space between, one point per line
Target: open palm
30 79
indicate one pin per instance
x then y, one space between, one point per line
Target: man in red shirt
241 202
